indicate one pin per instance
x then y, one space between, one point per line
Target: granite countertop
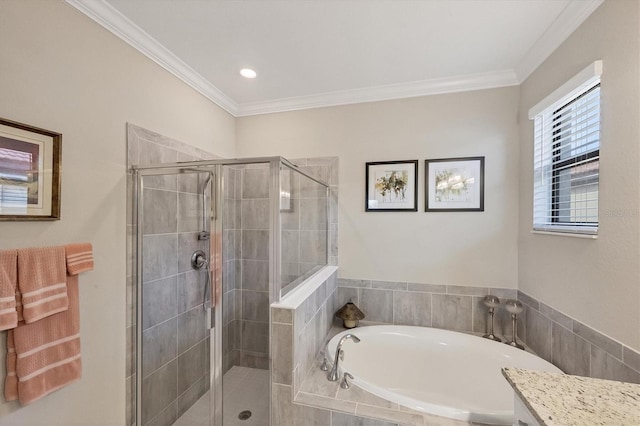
560 399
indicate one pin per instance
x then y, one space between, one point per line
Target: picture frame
454 185
391 186
30 160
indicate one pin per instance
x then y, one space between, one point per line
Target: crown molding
382 93
114 21
568 21
565 24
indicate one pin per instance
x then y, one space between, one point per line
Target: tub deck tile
316 383
361 396
326 402
387 414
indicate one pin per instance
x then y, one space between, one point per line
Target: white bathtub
435 371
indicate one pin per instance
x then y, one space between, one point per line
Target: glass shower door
203 238
173 322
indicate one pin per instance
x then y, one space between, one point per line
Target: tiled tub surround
570 345
298 330
573 346
355 406
457 308
301 393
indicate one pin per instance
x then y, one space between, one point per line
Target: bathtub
436 371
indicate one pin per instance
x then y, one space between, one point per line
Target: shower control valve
198 259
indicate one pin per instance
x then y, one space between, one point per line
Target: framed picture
285 190
454 185
29 172
392 186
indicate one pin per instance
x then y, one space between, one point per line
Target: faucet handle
325 365
344 384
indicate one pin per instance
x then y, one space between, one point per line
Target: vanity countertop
561 399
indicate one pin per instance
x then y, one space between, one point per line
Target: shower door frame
215 167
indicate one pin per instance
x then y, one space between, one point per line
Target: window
566 156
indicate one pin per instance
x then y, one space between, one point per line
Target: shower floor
244 389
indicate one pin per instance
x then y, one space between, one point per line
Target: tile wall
246 242
231 267
175 364
569 344
297 336
306 245
575 347
171 233
298 396
450 307
253 291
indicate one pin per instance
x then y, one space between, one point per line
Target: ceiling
312 53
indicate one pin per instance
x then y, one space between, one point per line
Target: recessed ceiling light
248 73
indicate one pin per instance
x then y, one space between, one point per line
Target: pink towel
79 258
45 355
8 284
42 282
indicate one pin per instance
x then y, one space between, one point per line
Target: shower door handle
211 319
207 305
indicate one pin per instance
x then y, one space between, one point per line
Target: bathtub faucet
333 374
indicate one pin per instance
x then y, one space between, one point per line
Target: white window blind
566 161
14 169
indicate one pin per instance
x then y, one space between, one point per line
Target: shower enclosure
217 242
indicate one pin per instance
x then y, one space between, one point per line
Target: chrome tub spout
333 374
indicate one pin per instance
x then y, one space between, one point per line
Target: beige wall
594 281
474 249
61 71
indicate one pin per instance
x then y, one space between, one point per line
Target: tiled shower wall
297 334
245 270
231 268
325 169
175 364
304 226
254 255
303 245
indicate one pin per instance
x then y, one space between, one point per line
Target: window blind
566 163
15 167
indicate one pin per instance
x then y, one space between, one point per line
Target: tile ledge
294 299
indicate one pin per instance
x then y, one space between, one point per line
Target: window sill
567 234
